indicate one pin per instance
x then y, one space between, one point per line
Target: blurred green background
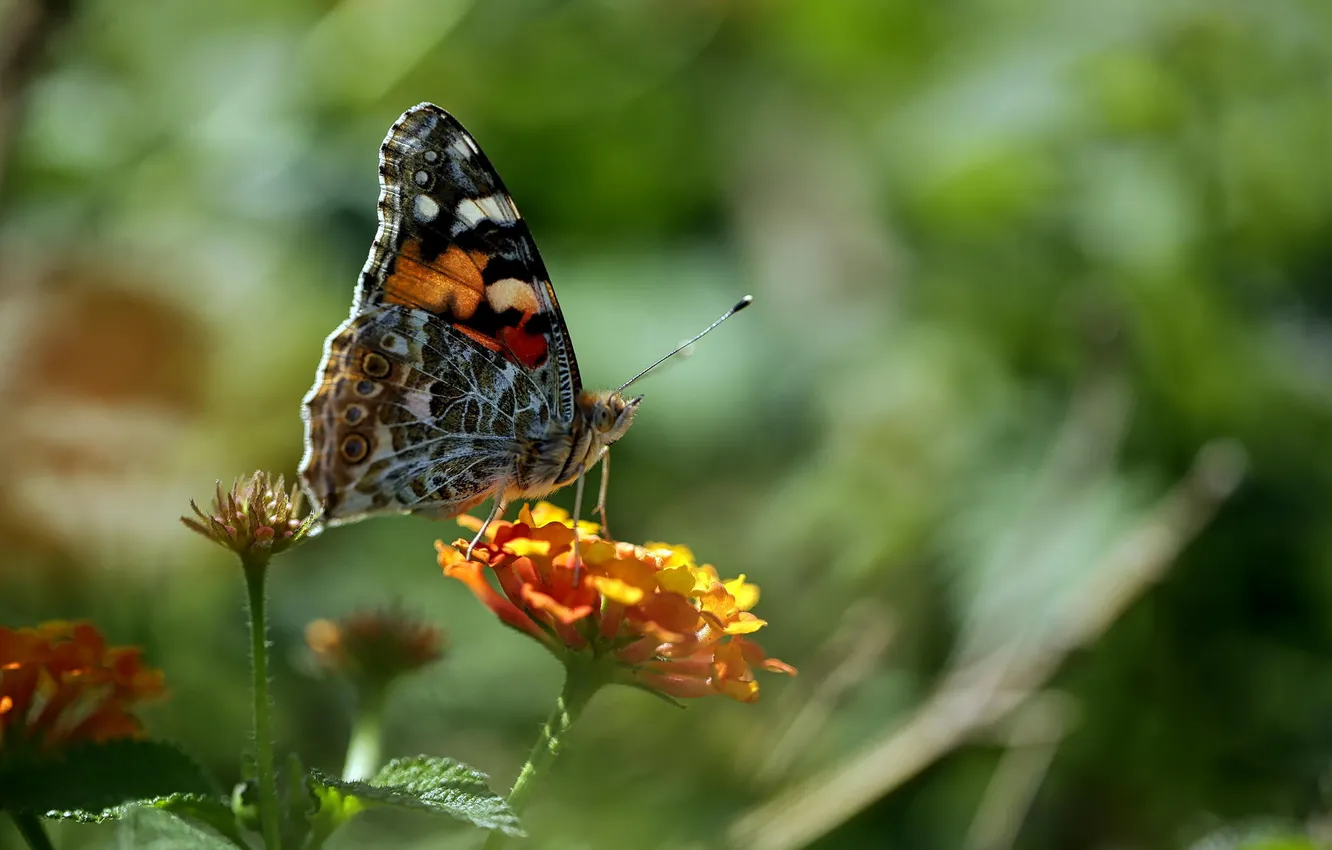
1027 437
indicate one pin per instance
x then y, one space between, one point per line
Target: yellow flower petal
618 591
626 580
745 624
545 513
526 547
677 580
596 553
672 555
746 595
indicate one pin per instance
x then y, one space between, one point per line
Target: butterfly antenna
739 305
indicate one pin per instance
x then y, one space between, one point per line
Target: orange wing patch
452 285
489 342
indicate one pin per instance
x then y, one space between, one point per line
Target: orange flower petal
717 601
469 573
681 687
543 602
754 654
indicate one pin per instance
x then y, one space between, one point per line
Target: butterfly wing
409 415
455 345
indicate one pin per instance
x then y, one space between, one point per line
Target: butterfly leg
601 496
578 511
496 511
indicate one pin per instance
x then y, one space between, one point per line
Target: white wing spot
431 156
496 208
421 178
425 208
512 293
463 147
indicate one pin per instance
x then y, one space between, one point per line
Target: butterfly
454 379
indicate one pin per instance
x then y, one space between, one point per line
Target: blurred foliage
1038 286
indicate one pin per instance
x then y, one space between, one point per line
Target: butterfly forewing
452 242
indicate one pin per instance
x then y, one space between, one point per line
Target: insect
454 379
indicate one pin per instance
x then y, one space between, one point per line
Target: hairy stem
579 686
255 574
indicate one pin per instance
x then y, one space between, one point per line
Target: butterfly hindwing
413 418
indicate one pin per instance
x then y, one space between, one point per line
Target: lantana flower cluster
60 684
661 619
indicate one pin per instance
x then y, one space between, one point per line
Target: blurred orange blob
374 646
61 684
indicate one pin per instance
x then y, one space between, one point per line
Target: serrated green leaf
94 782
210 810
436 785
147 828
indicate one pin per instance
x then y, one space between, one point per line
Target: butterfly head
608 415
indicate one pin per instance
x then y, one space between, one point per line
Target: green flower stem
581 682
256 571
364 750
30 827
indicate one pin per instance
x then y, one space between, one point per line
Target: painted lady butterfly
454 379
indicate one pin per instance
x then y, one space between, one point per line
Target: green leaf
148 828
95 782
210 810
1256 836
336 807
436 785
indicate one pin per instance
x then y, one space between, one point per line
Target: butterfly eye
604 419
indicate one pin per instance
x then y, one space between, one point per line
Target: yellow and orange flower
667 623
61 684
374 646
